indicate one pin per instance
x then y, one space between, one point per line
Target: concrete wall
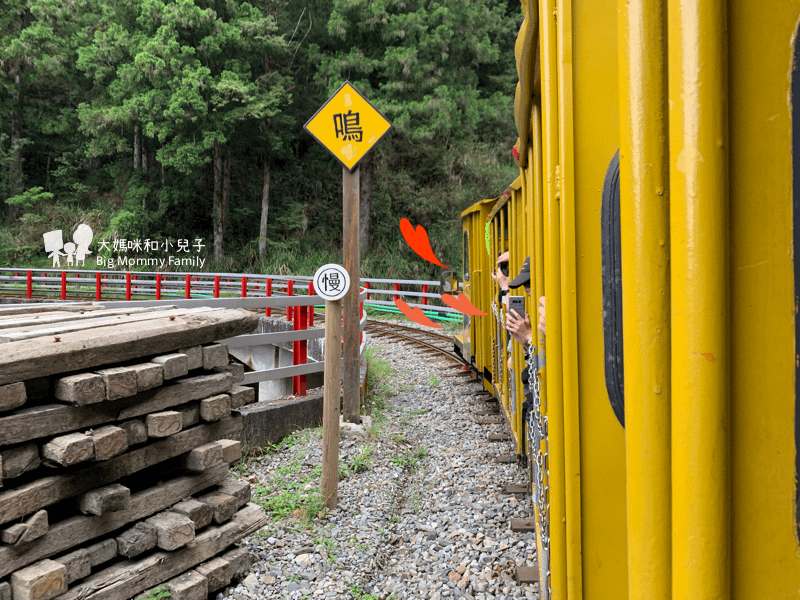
265 357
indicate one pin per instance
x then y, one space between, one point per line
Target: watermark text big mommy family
112 262
181 253
182 257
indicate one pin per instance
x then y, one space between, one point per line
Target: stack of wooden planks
117 429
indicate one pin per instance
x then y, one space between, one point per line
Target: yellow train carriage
659 200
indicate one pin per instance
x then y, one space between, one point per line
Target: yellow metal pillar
644 210
698 138
553 399
569 306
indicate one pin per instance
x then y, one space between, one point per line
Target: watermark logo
75 251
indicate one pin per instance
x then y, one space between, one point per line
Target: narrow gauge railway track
429 341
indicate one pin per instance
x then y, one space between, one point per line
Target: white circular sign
331 282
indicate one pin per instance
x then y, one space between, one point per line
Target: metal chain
538 446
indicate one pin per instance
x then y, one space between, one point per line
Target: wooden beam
51 419
128 578
78 530
49 490
76 351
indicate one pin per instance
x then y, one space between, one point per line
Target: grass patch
410 459
359 594
433 382
360 463
379 390
158 593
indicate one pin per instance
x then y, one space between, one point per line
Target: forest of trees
184 119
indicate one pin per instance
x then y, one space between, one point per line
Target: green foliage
411 459
93 84
160 593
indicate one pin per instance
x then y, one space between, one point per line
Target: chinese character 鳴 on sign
347 125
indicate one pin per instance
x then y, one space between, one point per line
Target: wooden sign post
348 126
331 282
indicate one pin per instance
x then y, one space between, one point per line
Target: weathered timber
199 512
35 527
527 574
77 351
11 535
23 320
217 571
515 488
490 420
174 365
70 449
49 490
102 552
148 376
522 525
488 411
42 581
204 457
18 460
98 320
109 441
77 563
234 369
12 396
231 450
111 498
163 424
189 586
135 430
195 356
125 579
190 413
224 506
240 561
81 389
120 382
506 459
214 356
43 308
238 489
78 530
241 396
498 437
173 529
215 407
136 540
51 419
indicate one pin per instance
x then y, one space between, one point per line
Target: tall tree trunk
217 205
137 149
15 174
365 202
262 231
226 195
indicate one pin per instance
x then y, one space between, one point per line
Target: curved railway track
431 342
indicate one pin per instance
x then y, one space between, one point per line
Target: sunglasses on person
504 268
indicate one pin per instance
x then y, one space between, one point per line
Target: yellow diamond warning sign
348 125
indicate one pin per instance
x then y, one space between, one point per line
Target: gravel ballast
427 518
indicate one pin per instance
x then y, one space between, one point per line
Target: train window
612 289
796 241
466 256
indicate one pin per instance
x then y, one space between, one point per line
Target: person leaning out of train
500 275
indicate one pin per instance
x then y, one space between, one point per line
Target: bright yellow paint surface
348 125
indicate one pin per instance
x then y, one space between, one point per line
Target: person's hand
541 315
520 329
497 275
